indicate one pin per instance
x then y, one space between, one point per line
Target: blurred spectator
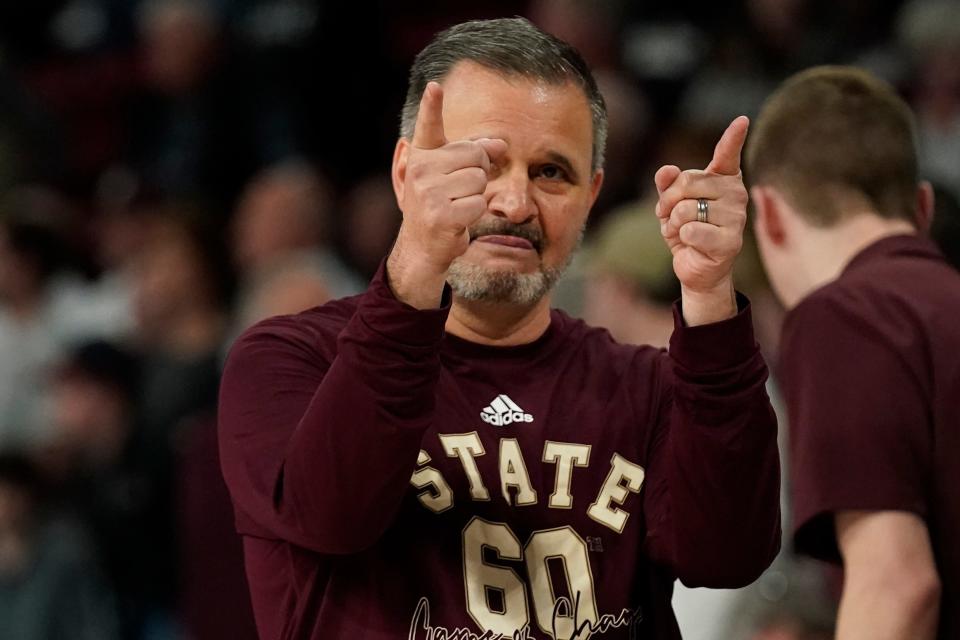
281 244
197 130
119 230
214 599
758 42
181 44
930 32
181 294
30 146
591 27
31 330
182 289
85 83
114 482
50 584
371 223
68 299
92 401
945 229
627 151
630 286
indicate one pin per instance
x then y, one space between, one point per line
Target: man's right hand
440 187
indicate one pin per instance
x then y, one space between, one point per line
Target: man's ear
398 170
595 183
768 214
925 206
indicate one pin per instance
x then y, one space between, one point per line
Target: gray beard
477 284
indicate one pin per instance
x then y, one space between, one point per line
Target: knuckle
477 154
418 191
471 205
732 244
468 152
422 186
417 169
669 204
473 181
432 201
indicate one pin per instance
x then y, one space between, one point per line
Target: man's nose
512 196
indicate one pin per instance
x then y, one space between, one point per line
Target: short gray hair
511 46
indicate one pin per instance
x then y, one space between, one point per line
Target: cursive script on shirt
421 629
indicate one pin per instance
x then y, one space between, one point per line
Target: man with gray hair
444 456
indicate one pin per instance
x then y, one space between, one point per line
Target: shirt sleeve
859 429
319 450
712 499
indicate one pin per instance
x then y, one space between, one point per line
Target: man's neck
498 324
828 251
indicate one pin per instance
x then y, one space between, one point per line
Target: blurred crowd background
172 171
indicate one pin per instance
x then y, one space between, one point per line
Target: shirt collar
898 245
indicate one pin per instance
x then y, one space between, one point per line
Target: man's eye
552 172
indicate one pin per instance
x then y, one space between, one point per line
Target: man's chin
497 258
497 264
485 282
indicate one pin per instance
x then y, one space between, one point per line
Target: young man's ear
925 206
768 214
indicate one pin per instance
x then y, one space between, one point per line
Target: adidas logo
503 411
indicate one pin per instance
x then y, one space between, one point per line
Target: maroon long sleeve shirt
393 481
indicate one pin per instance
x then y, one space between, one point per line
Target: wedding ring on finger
703 210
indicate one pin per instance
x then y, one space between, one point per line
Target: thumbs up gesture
702 216
440 189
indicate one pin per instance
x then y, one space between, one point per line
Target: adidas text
503 411
503 419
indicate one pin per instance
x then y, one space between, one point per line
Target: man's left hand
703 252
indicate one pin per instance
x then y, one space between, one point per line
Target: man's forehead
479 100
470 72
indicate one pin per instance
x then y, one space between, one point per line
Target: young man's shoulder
905 266
900 285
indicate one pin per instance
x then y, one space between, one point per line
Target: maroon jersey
391 481
871 372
